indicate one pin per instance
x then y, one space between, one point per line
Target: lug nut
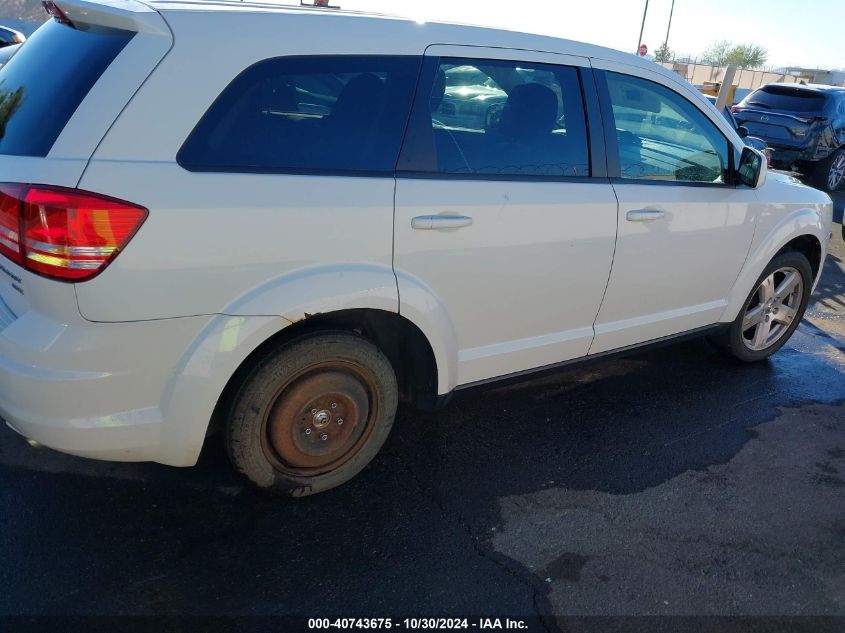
313 411
308 431
324 437
339 421
334 405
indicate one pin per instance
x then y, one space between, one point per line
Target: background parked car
751 141
805 127
10 37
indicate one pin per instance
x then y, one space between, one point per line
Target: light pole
642 28
669 28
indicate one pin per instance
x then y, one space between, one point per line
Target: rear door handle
645 215
440 222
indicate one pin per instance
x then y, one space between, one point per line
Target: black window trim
249 169
614 168
411 159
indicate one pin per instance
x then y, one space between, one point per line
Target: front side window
504 118
662 136
307 114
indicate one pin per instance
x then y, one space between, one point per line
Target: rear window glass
307 114
47 79
787 100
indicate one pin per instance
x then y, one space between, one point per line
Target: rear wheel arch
401 341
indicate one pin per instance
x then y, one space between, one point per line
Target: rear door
499 211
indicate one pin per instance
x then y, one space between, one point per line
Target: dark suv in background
805 127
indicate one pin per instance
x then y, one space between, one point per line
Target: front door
684 230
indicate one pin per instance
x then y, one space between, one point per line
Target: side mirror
742 131
752 168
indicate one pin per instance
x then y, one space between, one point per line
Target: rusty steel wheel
312 415
320 419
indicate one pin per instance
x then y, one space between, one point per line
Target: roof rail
318 3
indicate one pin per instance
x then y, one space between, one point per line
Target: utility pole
642 28
669 28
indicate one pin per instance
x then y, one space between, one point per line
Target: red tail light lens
735 109
67 234
10 223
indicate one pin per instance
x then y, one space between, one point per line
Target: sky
809 33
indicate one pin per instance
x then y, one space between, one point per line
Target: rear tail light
735 109
64 234
10 222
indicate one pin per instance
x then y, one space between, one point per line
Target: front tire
772 311
313 414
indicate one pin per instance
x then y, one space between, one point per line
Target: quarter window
501 118
662 136
307 114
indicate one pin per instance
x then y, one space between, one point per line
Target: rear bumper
786 157
92 389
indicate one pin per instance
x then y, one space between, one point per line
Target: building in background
818 76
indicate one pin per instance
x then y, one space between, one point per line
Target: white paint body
129 366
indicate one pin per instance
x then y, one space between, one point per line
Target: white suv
289 236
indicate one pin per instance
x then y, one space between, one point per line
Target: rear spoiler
127 15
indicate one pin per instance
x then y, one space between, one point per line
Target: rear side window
307 114
787 99
500 118
47 79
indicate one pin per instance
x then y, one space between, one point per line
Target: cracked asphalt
673 482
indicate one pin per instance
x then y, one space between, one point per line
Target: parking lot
670 482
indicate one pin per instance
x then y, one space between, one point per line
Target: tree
9 103
663 54
717 54
725 53
748 56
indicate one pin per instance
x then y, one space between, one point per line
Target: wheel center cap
322 418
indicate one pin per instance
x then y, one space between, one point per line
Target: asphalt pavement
674 482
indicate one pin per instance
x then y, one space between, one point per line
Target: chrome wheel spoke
767 289
785 315
787 286
837 171
761 334
752 318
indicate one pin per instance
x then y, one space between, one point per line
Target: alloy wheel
837 172
772 309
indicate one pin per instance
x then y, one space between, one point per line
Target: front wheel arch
810 247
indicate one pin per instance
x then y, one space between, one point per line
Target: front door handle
440 222
645 215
